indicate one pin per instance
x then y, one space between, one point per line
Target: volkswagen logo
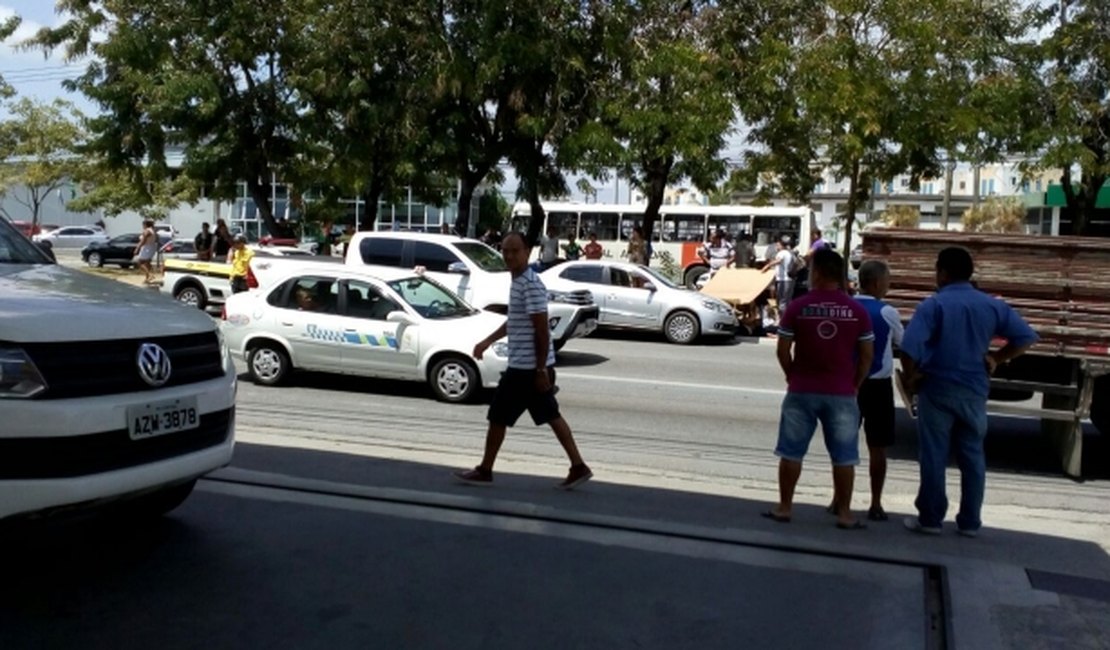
154 364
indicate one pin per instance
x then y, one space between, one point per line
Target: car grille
90 368
69 456
577 297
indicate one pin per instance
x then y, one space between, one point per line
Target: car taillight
252 281
223 312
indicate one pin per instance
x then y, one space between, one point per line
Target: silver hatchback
631 296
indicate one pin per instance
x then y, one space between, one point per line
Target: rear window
591 274
381 250
433 257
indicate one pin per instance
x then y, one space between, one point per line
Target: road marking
676 384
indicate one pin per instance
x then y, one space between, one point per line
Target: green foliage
995 215
7 28
37 151
114 190
493 211
665 264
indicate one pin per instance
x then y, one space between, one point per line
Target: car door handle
287 324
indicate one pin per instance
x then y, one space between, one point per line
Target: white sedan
636 297
390 324
72 236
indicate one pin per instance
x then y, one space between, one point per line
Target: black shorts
876 410
516 393
238 285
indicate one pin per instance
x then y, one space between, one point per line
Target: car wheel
268 364
157 503
692 275
95 260
125 265
192 295
681 327
454 379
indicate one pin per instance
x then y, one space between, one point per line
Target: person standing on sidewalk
204 243
876 395
146 249
825 349
948 361
240 258
529 382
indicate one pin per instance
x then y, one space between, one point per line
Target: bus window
733 224
605 225
687 228
630 220
565 223
768 230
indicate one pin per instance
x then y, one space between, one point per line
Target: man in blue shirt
948 360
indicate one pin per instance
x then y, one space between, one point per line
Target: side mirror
458 267
400 317
48 248
650 286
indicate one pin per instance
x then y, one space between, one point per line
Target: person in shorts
876 395
529 382
240 259
146 249
825 349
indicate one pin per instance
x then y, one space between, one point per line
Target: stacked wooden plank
1061 285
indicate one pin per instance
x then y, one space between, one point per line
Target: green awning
1054 196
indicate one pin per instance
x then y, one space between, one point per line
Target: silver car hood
47 302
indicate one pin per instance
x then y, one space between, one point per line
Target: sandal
877 514
775 517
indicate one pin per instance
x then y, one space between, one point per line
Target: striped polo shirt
526 297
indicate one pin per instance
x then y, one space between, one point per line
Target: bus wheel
692 275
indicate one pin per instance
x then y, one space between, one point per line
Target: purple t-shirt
818 245
827 327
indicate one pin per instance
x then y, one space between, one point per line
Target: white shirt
526 297
549 249
782 271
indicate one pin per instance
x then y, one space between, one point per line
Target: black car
117 250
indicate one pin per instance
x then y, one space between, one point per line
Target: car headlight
500 349
557 296
714 305
19 378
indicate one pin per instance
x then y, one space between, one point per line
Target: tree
7 28
901 216
1075 130
665 105
38 143
210 78
996 215
114 191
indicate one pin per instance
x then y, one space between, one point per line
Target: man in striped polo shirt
529 382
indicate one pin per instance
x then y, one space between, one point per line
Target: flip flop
831 509
855 525
877 514
774 516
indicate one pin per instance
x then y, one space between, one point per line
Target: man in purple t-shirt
825 349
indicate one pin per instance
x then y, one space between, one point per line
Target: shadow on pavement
276 565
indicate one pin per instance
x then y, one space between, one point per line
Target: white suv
473 270
109 394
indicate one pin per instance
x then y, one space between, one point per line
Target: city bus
680 230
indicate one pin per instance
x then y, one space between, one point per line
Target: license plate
160 418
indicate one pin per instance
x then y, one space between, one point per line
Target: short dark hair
517 234
956 262
829 264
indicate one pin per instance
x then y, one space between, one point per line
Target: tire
690 279
454 379
95 260
681 327
125 265
558 345
268 364
192 295
157 503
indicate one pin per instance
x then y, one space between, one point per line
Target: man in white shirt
781 263
549 249
717 253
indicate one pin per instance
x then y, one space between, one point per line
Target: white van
473 270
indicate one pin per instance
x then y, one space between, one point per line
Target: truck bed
1060 285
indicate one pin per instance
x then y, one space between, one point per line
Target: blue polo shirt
951 332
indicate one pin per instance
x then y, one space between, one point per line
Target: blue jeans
839 418
951 416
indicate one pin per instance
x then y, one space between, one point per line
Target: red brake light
252 281
223 312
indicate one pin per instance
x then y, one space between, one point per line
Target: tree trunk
945 208
260 192
657 174
975 186
853 204
535 223
468 183
371 198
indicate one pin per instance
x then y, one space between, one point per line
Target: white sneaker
914 524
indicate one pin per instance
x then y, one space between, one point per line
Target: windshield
658 277
17 249
429 299
485 257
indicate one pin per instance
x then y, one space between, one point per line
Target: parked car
631 296
29 230
202 284
117 250
179 249
72 236
110 395
394 324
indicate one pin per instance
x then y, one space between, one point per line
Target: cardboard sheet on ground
738 286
